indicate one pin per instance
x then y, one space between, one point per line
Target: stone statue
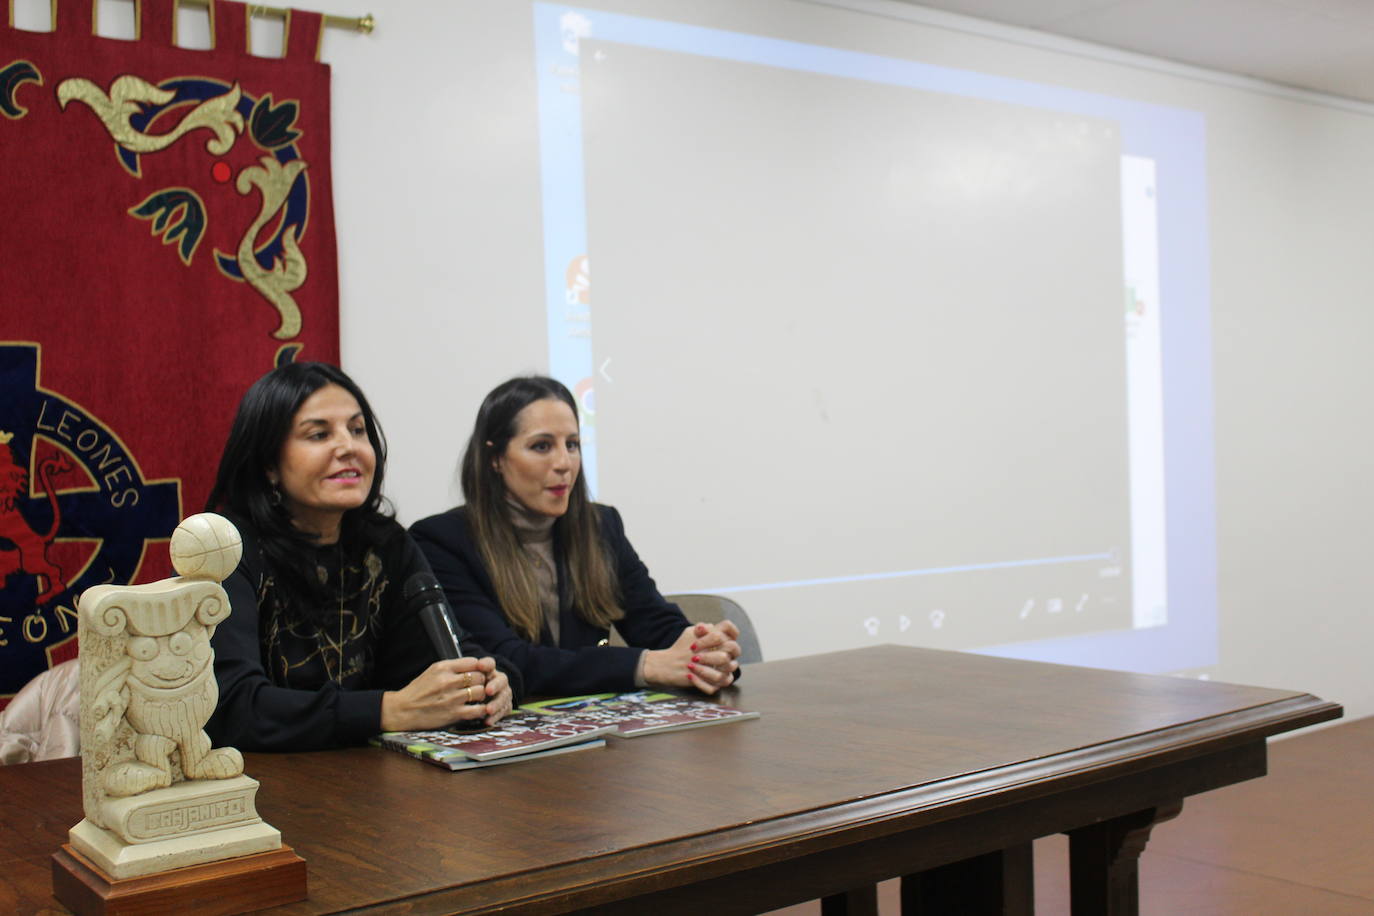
156 794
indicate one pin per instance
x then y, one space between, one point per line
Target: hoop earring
275 498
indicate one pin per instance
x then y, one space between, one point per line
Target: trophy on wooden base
170 820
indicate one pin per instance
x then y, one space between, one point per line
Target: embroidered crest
75 511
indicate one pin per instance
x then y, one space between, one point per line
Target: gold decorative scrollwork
273 180
130 96
127 95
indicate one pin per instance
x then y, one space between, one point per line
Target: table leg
1104 862
862 901
998 883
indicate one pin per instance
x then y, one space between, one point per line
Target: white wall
438 202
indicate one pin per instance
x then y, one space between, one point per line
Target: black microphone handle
423 593
442 634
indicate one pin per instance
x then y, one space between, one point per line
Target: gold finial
5 437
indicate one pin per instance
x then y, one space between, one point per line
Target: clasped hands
705 656
448 691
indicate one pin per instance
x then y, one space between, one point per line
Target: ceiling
1321 45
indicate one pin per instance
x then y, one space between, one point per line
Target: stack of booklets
643 712
519 736
559 726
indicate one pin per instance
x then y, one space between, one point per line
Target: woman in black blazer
538 573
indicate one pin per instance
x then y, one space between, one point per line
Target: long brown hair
577 533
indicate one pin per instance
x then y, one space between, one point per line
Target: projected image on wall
885 339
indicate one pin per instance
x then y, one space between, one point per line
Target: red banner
168 236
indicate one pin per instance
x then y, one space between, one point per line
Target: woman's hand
715 656
499 697
448 691
705 656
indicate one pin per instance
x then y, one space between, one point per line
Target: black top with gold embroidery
335 644
291 680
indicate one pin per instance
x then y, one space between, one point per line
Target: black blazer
578 664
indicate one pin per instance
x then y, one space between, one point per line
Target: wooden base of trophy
229 886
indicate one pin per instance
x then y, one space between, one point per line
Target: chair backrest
715 608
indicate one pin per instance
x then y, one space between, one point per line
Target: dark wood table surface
865 765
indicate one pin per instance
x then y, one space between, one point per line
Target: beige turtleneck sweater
535 532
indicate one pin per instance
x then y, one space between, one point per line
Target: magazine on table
641 712
521 735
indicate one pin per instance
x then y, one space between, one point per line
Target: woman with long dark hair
538 572
321 649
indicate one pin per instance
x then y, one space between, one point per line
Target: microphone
423 593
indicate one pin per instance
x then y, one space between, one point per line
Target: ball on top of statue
206 546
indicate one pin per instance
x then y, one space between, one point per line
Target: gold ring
470 700
467 679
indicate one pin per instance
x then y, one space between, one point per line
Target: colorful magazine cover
642 712
454 759
520 734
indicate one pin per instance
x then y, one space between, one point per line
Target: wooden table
865 765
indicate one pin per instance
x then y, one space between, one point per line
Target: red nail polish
694 648
691 667
696 658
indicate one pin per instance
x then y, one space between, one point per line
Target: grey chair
713 609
